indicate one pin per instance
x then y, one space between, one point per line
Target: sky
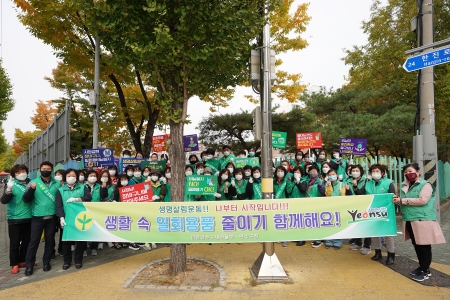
335 26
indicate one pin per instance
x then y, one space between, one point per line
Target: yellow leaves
44 115
219 98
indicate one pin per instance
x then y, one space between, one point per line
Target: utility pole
267 267
96 92
427 108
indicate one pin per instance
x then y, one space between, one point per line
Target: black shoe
78 266
301 243
377 255
28 271
66 266
47 267
390 258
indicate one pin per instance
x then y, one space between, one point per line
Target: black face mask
46 173
193 161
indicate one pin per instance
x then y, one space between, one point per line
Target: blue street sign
428 59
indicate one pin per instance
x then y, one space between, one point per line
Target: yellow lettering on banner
267 185
193 183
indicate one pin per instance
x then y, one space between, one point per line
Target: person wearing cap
210 161
158 187
227 157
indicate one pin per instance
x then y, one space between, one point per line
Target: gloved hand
72 200
62 222
155 197
250 180
217 195
297 180
233 183
163 180
216 174
9 185
114 201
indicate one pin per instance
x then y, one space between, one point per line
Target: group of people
39 206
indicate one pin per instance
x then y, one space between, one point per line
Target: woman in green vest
188 171
168 180
321 159
222 185
18 214
159 188
93 185
240 188
419 218
298 160
72 191
137 175
108 192
296 186
325 168
280 183
316 187
193 161
256 178
339 164
380 184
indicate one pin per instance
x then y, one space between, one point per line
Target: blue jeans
333 243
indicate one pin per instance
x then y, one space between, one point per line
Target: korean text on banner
200 185
242 162
279 139
102 157
130 162
309 140
159 165
141 192
160 142
319 218
353 146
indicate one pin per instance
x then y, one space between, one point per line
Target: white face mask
299 157
356 174
146 174
124 183
104 179
231 170
112 172
321 156
238 177
81 178
137 174
58 177
205 158
188 173
325 170
130 174
126 156
280 174
226 153
248 173
376 176
224 176
168 175
256 175
154 178
71 180
22 176
336 155
92 179
297 175
200 171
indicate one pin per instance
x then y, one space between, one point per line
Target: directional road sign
428 59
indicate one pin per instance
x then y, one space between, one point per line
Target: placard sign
309 140
250 161
279 139
352 146
101 157
160 142
159 165
141 192
190 143
130 161
201 185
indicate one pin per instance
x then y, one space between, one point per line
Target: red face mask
411 176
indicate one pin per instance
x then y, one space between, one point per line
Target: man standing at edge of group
41 193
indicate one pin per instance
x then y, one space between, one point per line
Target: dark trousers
19 239
367 242
423 252
78 253
39 225
94 245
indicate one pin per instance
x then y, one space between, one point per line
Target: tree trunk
176 154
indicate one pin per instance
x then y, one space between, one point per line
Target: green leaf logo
84 221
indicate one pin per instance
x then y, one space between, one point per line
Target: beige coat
425 232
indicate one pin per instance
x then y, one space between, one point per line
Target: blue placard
101 157
124 162
429 59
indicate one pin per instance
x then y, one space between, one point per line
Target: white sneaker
110 245
365 251
147 247
355 247
72 248
94 252
154 246
100 246
84 254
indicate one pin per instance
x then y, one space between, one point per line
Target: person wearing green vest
326 166
137 175
93 185
419 220
296 186
333 188
211 162
193 161
18 214
72 191
257 188
357 184
224 181
322 158
339 164
227 157
285 164
316 188
298 160
240 188
41 192
280 183
168 177
158 187
381 185
188 171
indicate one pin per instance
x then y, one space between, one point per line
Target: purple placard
190 143
353 146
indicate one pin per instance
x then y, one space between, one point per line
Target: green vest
361 183
313 190
382 187
293 191
135 180
16 209
95 192
214 164
66 192
221 190
257 191
279 189
416 213
341 168
241 188
225 160
337 188
44 198
110 196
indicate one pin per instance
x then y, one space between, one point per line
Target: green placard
201 185
159 165
242 162
279 139
320 218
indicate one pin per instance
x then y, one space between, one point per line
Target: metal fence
52 145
